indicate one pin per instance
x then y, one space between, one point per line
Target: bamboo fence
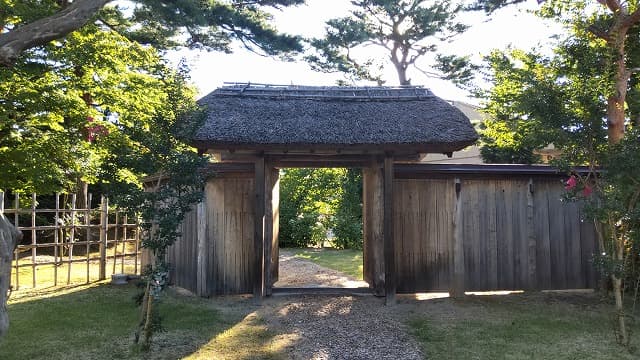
65 236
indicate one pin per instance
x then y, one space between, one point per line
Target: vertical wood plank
541 228
56 239
458 282
201 238
574 262
104 226
558 239
531 238
33 238
16 223
589 249
492 239
389 245
87 222
258 231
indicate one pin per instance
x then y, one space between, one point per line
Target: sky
511 26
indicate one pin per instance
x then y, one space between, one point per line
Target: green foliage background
312 201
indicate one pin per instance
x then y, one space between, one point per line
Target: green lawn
519 327
98 321
346 261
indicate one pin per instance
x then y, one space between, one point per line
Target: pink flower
571 183
89 119
587 191
93 131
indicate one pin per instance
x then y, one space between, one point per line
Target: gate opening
320 237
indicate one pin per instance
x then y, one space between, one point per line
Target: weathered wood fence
455 228
483 228
64 243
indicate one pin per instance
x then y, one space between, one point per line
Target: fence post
104 222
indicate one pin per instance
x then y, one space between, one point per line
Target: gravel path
297 272
346 327
335 327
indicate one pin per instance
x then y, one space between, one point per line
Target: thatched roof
404 119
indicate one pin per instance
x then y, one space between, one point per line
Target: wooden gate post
258 229
389 245
104 220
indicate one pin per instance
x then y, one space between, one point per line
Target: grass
97 321
347 261
514 327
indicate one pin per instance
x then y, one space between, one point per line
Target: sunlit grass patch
347 261
97 321
528 330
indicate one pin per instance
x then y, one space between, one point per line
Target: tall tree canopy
86 97
207 24
406 30
583 98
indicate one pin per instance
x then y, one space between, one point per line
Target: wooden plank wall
230 235
182 255
227 241
517 235
423 219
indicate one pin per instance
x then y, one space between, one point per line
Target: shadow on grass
98 321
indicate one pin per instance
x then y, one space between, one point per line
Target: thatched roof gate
374 128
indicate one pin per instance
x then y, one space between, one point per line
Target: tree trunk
9 237
41 31
623 336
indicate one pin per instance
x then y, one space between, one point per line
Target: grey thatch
244 116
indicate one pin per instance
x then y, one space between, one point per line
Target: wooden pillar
271 226
389 245
372 219
456 286
201 238
258 229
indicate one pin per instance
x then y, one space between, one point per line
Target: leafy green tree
537 100
308 198
348 214
313 201
587 94
86 99
406 30
206 24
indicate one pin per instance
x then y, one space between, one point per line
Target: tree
308 198
406 30
99 105
313 201
592 82
206 24
348 214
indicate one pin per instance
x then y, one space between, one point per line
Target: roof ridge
324 92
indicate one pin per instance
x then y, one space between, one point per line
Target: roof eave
213 146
